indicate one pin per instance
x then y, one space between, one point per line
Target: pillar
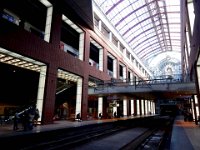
142 107
138 106
125 107
49 96
41 87
48 23
101 59
78 96
100 105
132 107
115 68
124 73
81 46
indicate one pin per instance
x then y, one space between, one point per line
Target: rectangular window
120 70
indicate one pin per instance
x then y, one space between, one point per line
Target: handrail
19 113
145 83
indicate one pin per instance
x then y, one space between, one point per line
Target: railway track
76 141
148 138
73 140
137 132
136 142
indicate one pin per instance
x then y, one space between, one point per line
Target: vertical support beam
41 87
135 106
138 106
115 66
84 106
197 83
125 107
101 59
128 108
196 106
145 107
194 110
81 46
183 27
105 61
131 78
192 107
48 23
124 74
56 28
79 96
132 107
105 106
142 107
154 108
100 105
49 96
149 107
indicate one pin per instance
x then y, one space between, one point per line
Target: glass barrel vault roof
150 27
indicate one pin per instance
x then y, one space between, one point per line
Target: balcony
69 49
110 73
93 63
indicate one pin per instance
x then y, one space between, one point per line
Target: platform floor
185 135
7 129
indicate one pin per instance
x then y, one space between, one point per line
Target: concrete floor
185 135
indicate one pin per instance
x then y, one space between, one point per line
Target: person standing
16 121
100 115
36 117
25 120
78 117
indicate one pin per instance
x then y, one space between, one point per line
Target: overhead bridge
147 89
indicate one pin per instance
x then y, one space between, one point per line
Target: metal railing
142 83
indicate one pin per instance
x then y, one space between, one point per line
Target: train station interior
100 59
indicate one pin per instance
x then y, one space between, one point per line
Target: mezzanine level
149 89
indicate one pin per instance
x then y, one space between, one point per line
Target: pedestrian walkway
7 129
185 135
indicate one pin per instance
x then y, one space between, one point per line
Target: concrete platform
185 135
7 129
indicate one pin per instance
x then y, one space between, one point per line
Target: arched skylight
150 27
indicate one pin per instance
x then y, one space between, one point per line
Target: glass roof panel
155 49
150 27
